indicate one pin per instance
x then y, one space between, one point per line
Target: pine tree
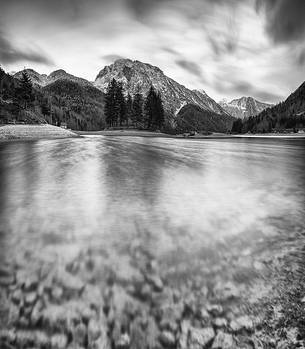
149 108
138 109
159 120
120 104
129 109
110 105
24 92
154 113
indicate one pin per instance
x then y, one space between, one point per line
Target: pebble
167 338
17 296
59 341
69 282
220 322
215 309
203 313
13 315
94 330
80 334
57 293
31 282
156 282
223 341
36 313
241 323
30 298
183 339
123 341
200 337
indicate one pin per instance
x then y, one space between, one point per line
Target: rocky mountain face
136 77
244 107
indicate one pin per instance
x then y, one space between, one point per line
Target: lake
219 209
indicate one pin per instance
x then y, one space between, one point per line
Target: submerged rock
80 334
155 281
167 338
30 298
242 323
69 282
59 341
17 296
200 337
223 341
94 330
215 309
220 322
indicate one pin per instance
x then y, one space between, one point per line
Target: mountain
289 114
42 80
136 77
192 117
64 98
244 107
69 95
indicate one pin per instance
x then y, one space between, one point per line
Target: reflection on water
173 193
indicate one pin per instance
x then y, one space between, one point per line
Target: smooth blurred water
170 194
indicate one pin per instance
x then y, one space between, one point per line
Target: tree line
137 111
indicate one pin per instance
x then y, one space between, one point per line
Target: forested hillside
193 118
80 107
63 102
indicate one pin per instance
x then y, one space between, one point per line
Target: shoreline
45 131
33 132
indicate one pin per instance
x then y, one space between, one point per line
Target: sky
229 48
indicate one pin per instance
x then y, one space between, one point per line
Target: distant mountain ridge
44 80
244 107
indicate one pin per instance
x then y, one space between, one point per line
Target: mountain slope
244 107
136 77
79 105
289 114
193 118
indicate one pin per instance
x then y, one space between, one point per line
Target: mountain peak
244 107
137 76
56 73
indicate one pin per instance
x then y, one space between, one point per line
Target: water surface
172 195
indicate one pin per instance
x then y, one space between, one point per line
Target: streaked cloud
226 47
11 54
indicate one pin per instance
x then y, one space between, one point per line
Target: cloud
191 67
112 57
244 88
10 54
284 19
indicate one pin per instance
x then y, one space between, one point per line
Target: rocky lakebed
145 303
